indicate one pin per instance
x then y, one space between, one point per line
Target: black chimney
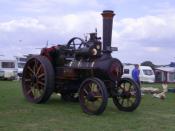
107 30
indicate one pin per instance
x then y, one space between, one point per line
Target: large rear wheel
38 79
128 95
93 96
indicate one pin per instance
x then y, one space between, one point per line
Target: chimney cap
108 14
108 11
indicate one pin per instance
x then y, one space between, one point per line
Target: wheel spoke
85 100
85 91
95 105
133 93
41 91
30 69
122 101
32 90
128 102
41 75
124 85
35 66
29 91
27 80
130 87
98 97
90 86
37 93
38 70
41 83
93 87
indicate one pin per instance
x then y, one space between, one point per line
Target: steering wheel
75 43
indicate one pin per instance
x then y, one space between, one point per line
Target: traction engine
81 70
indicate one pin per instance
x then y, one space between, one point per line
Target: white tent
165 74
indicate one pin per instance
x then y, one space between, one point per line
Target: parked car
8 69
146 73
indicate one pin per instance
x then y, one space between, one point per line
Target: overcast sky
142 30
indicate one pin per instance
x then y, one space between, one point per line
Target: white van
20 64
8 69
146 73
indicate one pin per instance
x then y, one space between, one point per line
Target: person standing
135 74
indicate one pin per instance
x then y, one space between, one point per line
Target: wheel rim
34 80
91 96
127 94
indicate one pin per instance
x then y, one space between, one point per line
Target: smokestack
107 30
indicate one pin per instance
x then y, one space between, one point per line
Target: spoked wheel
93 96
38 79
128 95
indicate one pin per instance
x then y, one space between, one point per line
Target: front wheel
93 96
128 95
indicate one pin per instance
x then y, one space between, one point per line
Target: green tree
148 63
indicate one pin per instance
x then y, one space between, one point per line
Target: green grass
16 114
157 85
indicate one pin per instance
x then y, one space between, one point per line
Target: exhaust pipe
107 30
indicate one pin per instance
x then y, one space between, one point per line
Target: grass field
16 114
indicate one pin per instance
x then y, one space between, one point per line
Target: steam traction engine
84 70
